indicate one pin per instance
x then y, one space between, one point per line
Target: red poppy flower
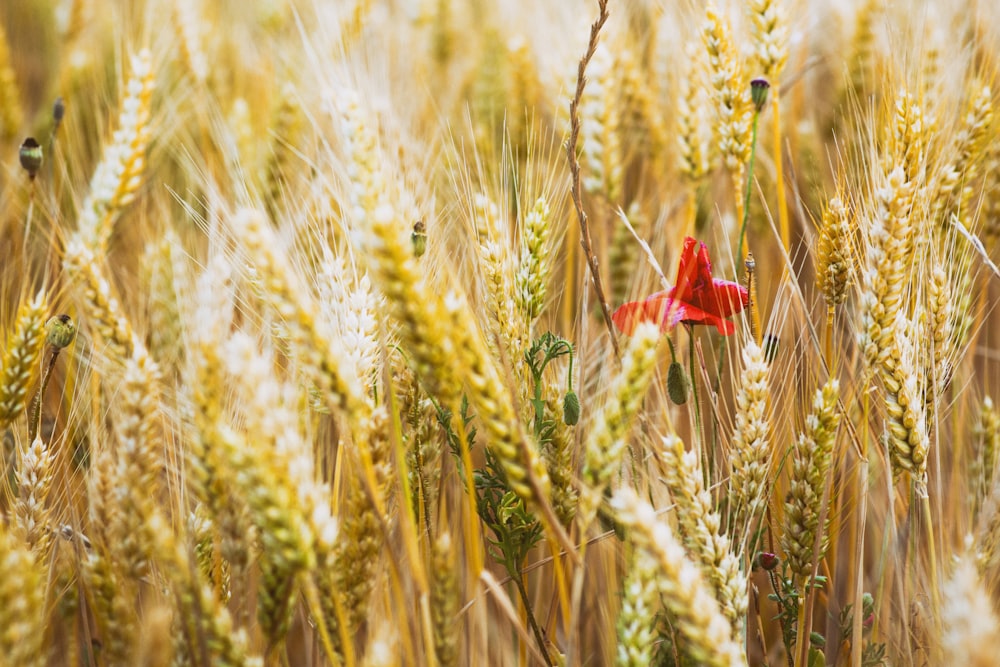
697 298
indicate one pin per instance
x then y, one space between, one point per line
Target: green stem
569 380
539 638
746 200
697 403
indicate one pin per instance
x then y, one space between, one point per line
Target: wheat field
534 332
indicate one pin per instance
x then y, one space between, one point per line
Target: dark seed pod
31 156
571 408
767 560
677 386
758 92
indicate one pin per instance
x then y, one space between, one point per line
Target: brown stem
35 422
574 168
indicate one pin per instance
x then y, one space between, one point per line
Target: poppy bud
758 93
60 331
767 560
31 156
58 111
677 387
571 408
817 640
419 238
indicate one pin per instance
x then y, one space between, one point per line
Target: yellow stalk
560 573
932 555
779 170
859 544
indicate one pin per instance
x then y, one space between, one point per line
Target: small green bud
31 156
817 640
816 657
758 93
677 386
419 238
60 331
571 408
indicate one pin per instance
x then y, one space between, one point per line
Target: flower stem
539 637
35 423
694 390
746 200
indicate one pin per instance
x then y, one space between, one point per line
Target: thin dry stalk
574 167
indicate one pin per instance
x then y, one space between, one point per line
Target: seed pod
767 560
60 331
31 156
677 386
758 92
571 408
419 238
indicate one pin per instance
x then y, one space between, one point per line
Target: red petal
658 307
704 266
693 315
696 299
729 297
687 269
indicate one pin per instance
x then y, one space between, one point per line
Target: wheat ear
24 347
971 634
748 484
812 456
709 636
607 440
701 527
10 98
22 603
119 174
637 617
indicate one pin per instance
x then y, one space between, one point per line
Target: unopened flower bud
31 156
571 408
419 238
758 93
677 386
767 560
58 111
60 331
